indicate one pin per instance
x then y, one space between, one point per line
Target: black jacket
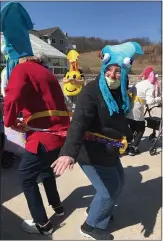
91 114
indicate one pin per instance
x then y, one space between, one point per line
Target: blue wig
15 24
122 55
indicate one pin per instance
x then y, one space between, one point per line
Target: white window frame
58 67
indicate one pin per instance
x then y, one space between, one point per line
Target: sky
107 20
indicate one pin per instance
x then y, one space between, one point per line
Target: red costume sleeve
16 92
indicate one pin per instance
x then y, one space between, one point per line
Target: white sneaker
29 226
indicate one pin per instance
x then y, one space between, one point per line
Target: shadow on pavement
145 145
139 202
9 219
76 200
10 185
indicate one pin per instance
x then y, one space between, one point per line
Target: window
66 44
45 38
58 66
53 41
58 62
59 70
63 62
63 70
61 41
55 62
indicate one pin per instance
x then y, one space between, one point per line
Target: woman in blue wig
100 112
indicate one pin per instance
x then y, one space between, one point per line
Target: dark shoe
59 211
133 151
29 226
95 233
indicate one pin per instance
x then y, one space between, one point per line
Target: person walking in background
145 92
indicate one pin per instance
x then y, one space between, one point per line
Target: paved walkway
137 216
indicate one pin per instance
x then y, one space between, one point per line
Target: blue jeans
108 183
32 167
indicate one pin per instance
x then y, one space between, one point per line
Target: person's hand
61 164
19 126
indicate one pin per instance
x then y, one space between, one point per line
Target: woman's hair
42 58
28 58
38 57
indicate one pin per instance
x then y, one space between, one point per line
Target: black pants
32 167
2 141
138 128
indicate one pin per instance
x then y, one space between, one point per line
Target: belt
121 143
135 98
48 113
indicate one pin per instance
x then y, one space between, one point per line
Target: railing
89 77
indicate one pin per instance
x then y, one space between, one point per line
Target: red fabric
32 88
146 72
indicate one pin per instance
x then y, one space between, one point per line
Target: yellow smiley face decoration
73 81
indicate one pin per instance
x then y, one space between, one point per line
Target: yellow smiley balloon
73 83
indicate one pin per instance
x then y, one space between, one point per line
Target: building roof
38 45
47 31
35 32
